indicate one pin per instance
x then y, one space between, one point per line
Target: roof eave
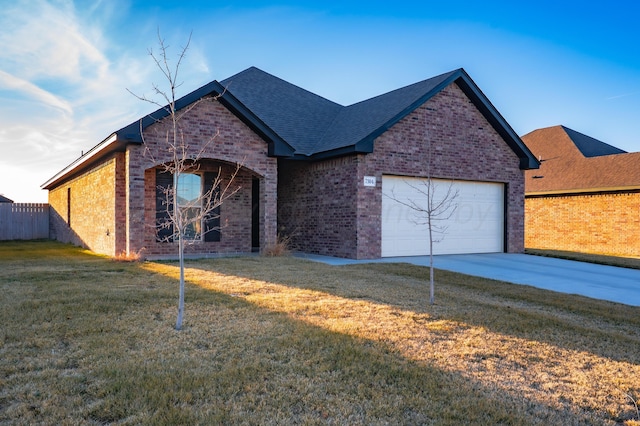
362 147
277 147
410 108
528 161
106 147
578 191
133 131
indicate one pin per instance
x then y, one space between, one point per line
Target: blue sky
65 66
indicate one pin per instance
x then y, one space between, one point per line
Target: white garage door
476 225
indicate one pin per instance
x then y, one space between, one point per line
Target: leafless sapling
185 208
434 204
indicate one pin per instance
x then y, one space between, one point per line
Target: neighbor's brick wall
222 137
317 200
595 223
93 208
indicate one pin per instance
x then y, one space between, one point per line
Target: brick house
585 197
311 168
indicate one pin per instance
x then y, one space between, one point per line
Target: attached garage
476 226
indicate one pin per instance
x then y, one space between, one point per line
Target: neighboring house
585 197
311 169
4 199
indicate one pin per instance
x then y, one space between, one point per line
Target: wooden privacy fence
24 221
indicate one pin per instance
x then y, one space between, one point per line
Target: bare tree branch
435 209
184 218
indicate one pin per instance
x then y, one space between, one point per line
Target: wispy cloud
624 95
25 88
45 40
59 81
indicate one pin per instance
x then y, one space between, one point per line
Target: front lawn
88 340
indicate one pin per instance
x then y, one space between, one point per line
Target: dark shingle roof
364 121
312 124
298 124
4 199
318 128
295 114
589 146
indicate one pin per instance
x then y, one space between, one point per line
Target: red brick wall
211 129
235 218
594 223
93 208
317 205
317 200
465 146
113 204
324 204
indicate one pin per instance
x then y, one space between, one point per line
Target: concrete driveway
611 283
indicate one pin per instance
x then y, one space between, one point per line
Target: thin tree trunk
181 297
185 160
180 228
431 284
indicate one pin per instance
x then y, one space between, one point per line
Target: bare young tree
434 205
185 209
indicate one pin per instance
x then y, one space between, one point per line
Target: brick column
269 208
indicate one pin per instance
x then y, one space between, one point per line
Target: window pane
188 188
189 192
193 230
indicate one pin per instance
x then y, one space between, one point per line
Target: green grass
88 340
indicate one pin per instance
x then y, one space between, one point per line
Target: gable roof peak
319 128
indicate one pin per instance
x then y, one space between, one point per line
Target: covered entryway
476 226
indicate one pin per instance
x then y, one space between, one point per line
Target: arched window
191 187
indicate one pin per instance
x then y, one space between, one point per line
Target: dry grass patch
560 353
281 247
86 340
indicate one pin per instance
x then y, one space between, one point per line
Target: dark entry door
255 214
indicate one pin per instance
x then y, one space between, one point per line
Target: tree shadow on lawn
253 365
508 368
104 350
572 322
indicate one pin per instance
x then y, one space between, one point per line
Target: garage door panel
476 225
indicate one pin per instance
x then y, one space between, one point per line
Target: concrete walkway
603 282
